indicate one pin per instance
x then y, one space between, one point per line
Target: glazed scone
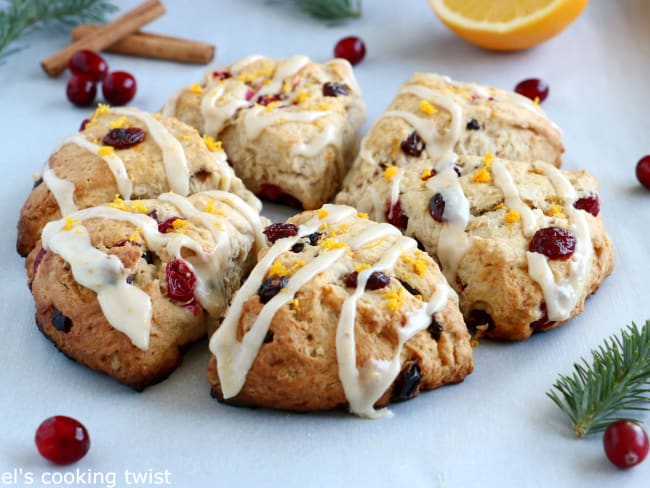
340 312
125 152
522 243
433 116
121 288
290 127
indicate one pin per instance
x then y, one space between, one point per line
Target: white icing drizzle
237 67
62 190
173 154
327 136
126 307
503 179
561 298
216 114
112 160
258 118
288 68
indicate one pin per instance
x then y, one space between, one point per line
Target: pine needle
19 16
615 385
329 9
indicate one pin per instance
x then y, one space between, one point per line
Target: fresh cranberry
124 138
437 207
280 230
221 75
332 89
119 88
590 203
625 443
275 193
351 48
407 383
533 88
435 328
413 145
271 287
62 440
394 215
268 99
81 90
167 225
89 63
554 243
643 171
473 124
180 281
60 321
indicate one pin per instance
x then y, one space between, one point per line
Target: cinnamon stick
106 35
150 45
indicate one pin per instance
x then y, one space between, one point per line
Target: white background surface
497 428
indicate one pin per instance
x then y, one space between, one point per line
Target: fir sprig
19 16
615 384
330 9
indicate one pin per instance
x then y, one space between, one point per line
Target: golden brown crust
297 367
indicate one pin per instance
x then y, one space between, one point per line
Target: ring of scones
121 288
521 243
125 152
433 116
290 127
339 312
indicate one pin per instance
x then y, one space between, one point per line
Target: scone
522 243
125 152
433 116
122 288
290 127
340 312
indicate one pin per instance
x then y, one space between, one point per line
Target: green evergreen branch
329 9
615 384
19 16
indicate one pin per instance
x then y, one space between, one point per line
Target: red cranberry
314 237
81 90
351 48
83 125
554 243
89 63
221 75
473 124
376 281
298 247
60 321
395 215
332 89
119 88
271 287
167 225
280 230
625 443
413 145
413 291
533 88
62 440
643 171
268 99
407 384
542 323
435 328
180 281
124 138
478 318
590 203
275 193
437 207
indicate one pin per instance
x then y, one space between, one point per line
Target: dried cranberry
413 145
39 258
437 207
351 48
533 88
203 174
350 279
221 75
409 288
129 279
457 170
394 215
280 230
62 440
124 138
148 257
268 337
167 225
37 182
473 124
271 287
60 321
180 281
298 247
314 237
119 88
153 214
479 317
542 323
268 99
407 383
275 193
435 329
554 243
83 125
590 203
333 89
377 280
